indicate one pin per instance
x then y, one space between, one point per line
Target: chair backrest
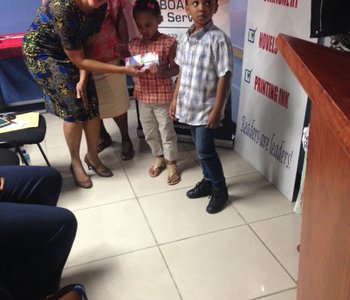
25 136
17 139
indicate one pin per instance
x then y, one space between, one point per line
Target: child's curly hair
151 6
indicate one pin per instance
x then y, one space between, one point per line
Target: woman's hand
133 71
82 94
81 88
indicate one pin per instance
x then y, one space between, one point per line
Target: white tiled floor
141 239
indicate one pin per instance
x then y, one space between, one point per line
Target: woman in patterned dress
53 52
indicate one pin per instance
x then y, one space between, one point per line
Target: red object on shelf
11 45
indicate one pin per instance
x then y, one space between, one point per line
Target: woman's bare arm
77 57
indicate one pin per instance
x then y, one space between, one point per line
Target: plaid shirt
149 88
102 45
203 57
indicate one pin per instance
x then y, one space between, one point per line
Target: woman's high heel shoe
76 288
86 184
103 173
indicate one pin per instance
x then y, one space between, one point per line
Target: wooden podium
324 264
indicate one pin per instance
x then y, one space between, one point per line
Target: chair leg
43 154
18 150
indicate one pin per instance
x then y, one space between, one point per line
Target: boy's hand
214 120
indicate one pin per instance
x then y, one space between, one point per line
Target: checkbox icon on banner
251 35
248 75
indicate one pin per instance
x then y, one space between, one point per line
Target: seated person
35 235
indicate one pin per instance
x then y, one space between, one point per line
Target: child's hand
172 110
153 68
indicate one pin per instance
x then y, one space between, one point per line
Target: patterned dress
59 25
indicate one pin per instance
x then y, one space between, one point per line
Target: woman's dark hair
151 6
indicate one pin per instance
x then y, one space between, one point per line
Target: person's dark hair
151 6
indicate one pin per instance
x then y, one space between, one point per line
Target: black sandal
104 144
77 288
127 151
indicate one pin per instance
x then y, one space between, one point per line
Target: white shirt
203 57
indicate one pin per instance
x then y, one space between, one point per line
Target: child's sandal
173 174
158 166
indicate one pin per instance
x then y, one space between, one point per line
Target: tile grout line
156 241
158 245
260 239
274 256
153 235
